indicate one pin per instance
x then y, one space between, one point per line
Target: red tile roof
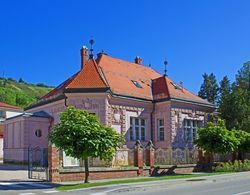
88 77
121 73
163 87
118 75
4 105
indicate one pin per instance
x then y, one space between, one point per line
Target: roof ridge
99 73
139 65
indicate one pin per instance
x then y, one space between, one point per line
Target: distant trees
20 93
225 99
233 100
21 80
209 88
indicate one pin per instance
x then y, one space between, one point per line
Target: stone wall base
79 174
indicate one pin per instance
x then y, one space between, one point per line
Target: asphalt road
229 184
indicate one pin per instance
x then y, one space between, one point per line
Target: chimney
84 56
138 60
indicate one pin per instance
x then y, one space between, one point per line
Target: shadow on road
12 167
25 185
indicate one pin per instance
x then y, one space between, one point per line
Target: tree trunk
86 165
240 155
234 156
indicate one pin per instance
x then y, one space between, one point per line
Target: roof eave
187 101
46 101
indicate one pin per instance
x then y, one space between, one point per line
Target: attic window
176 86
136 84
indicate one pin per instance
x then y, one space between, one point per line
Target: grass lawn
140 179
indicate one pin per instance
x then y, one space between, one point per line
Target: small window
136 84
1 114
161 129
38 133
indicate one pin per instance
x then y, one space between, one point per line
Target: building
132 98
6 111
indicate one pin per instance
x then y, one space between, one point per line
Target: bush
236 166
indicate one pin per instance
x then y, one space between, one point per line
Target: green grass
135 180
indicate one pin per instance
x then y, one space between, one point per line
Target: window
176 86
137 129
138 85
38 133
190 129
160 124
1 114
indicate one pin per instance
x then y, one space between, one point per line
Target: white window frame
133 135
160 129
69 161
190 127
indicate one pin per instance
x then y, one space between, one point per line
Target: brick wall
74 175
94 175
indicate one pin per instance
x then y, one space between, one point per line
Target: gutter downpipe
65 100
151 121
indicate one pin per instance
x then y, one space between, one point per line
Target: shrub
236 166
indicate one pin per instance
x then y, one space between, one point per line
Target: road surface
228 184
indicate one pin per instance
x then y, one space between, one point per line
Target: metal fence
38 163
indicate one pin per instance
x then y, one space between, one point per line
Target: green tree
217 139
209 88
244 146
239 116
81 135
243 76
225 99
234 104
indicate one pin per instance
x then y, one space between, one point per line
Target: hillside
20 93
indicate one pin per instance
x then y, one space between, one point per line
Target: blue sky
40 40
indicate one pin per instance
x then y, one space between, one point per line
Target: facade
130 97
6 111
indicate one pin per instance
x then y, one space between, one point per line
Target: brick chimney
138 60
84 55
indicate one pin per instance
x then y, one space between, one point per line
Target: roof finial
165 70
91 42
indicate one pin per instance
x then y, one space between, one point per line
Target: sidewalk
10 172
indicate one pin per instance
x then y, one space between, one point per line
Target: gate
38 163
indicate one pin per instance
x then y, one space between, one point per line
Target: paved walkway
9 172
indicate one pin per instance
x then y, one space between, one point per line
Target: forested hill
20 93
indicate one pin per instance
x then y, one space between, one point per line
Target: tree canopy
209 88
235 100
216 138
81 135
